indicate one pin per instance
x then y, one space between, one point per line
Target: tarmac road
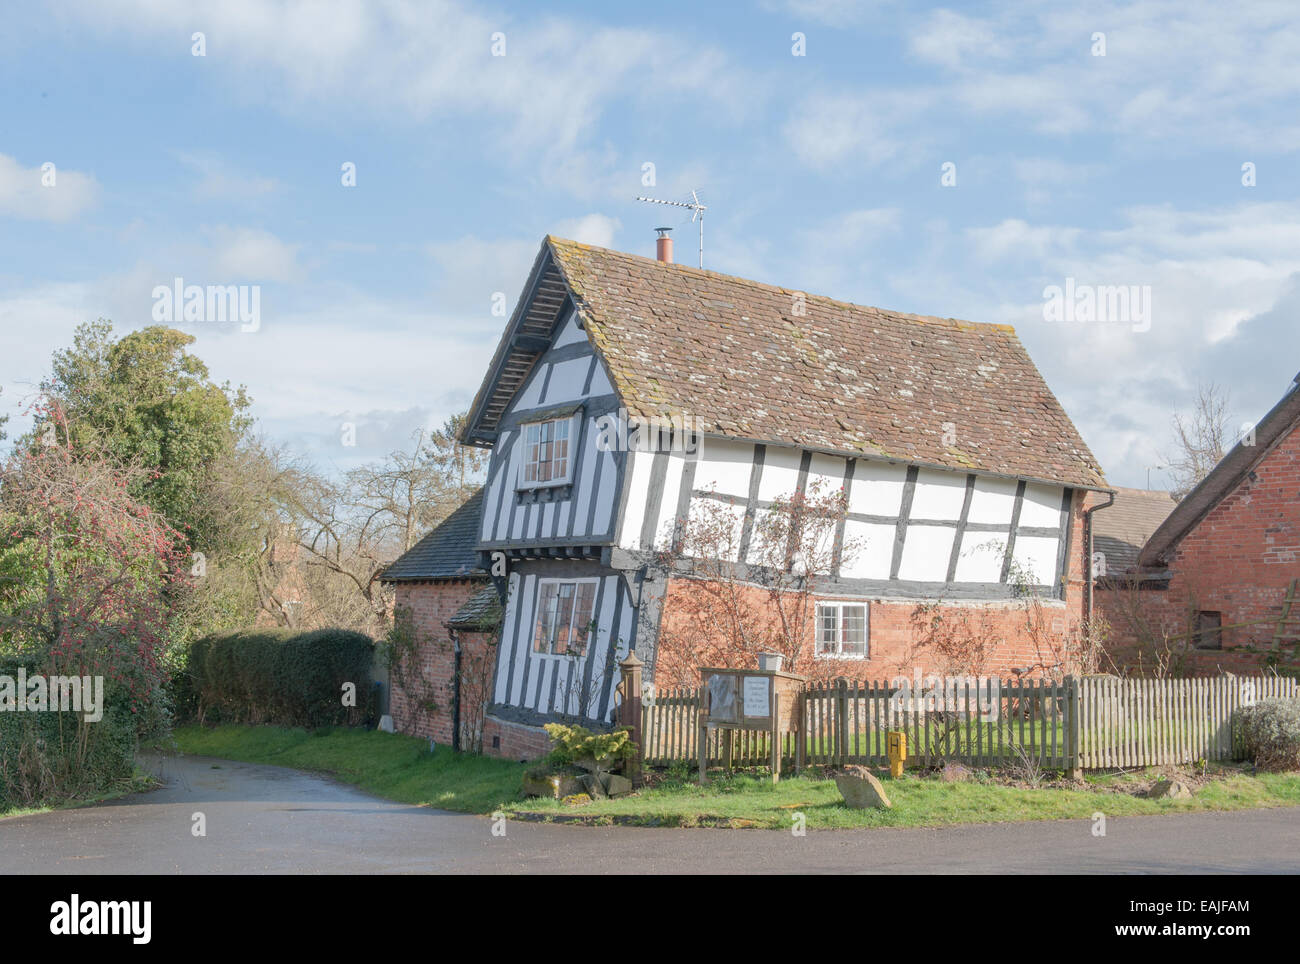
272 820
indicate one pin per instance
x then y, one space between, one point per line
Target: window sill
547 492
860 657
553 484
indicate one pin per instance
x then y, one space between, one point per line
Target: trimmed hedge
279 677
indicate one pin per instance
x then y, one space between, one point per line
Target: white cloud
834 13
595 229
1219 281
475 270
1015 238
217 179
243 254
312 364
1175 78
858 227
827 130
948 39
43 193
433 59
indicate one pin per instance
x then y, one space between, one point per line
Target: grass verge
401 768
752 800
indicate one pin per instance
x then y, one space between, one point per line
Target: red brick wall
514 741
1020 635
1239 561
430 606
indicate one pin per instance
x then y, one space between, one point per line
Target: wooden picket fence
1089 722
1146 722
980 725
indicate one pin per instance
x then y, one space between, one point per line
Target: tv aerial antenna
694 206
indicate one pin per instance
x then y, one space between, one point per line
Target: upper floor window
842 629
564 616
548 452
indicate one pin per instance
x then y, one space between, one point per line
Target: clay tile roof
733 355
1121 530
446 551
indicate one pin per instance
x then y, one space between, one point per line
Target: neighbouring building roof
1122 529
763 363
446 551
1222 479
482 611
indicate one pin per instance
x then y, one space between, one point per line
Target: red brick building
1214 587
449 605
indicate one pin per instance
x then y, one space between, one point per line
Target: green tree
147 401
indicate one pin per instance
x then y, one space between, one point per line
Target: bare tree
411 491
345 533
728 612
1200 438
304 550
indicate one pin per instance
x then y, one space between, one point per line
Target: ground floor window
842 629
1209 632
564 616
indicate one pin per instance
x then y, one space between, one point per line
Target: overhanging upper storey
542 307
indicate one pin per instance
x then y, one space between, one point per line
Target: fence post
801 733
630 711
841 721
1073 706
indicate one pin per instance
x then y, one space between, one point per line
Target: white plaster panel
1041 507
705 514
530 396
780 473
981 557
667 520
606 501
877 488
869 550
993 501
938 495
502 688
926 551
567 378
825 475
599 382
724 466
638 489
1036 557
570 334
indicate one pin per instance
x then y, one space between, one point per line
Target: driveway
271 820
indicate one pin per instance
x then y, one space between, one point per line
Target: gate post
630 710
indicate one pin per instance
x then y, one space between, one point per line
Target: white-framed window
842 630
565 611
548 450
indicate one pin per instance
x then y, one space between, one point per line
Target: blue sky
821 172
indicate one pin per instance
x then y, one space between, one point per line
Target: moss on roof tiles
684 338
